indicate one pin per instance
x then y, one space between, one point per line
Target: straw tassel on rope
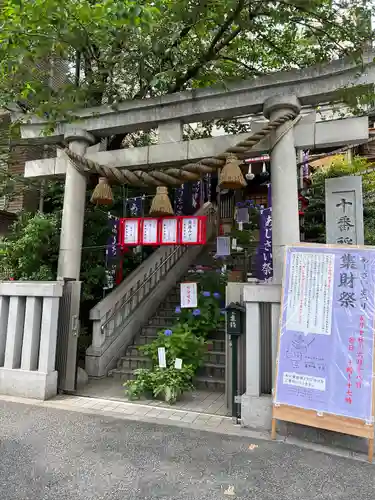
190 171
231 176
102 194
161 204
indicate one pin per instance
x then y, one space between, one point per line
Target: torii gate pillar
73 209
285 220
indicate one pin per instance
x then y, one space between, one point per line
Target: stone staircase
210 377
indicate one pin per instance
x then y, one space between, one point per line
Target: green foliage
167 382
181 343
30 251
123 49
141 385
172 382
314 223
185 340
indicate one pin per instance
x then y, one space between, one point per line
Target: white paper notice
161 357
189 230
306 381
310 293
189 295
223 246
178 363
150 231
169 231
131 232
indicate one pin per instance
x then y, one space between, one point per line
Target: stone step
212 370
215 357
200 382
164 312
134 360
209 384
217 344
153 329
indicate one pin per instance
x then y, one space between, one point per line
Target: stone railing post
28 336
285 219
255 407
74 208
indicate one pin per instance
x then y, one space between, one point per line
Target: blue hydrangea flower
177 310
217 295
168 333
206 294
196 312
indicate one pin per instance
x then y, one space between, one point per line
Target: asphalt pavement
50 454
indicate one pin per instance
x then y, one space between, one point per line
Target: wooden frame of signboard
311 418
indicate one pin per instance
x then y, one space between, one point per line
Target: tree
125 49
30 251
314 220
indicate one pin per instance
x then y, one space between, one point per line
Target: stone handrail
28 334
109 314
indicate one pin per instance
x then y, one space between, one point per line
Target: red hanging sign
130 232
169 231
152 231
149 231
193 230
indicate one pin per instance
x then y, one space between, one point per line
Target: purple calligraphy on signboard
135 206
196 195
264 254
305 159
111 252
325 359
179 200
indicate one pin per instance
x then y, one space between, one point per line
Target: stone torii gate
274 95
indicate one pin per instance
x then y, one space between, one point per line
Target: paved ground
197 401
52 454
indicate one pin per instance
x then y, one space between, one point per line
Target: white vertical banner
188 295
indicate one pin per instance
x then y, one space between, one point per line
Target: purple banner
196 195
135 206
264 253
111 252
269 196
325 359
179 200
111 249
306 164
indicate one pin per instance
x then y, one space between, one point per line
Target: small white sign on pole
161 357
189 295
178 363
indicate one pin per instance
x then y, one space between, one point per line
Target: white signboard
189 295
189 233
223 246
178 363
131 232
344 210
161 357
169 231
150 232
310 293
